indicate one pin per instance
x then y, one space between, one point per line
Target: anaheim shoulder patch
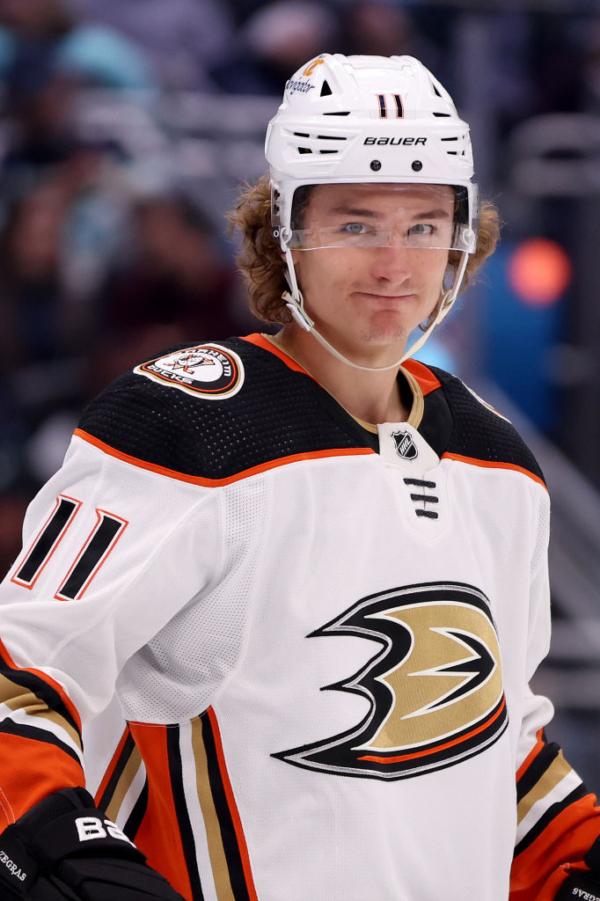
207 370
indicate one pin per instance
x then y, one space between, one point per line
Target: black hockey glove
65 849
584 886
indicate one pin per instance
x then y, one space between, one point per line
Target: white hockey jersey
319 635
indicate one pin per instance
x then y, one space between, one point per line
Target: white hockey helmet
357 119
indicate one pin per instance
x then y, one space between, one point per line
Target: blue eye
422 229
355 228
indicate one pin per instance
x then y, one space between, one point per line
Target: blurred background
125 132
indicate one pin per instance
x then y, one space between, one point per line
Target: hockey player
311 570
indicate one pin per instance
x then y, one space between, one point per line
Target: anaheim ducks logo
434 688
312 66
209 370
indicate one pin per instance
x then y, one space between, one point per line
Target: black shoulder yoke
277 413
479 433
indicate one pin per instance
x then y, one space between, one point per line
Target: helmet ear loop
293 298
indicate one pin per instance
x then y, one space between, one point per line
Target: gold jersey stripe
556 772
416 411
216 851
16 697
122 787
418 405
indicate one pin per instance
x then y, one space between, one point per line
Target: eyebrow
371 214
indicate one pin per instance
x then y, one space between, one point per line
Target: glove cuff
64 824
582 886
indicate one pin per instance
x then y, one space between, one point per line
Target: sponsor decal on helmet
297 86
208 370
434 686
370 141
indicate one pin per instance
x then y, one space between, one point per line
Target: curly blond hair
263 266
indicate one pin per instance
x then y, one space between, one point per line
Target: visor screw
417 166
375 165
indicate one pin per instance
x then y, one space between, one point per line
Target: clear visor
425 217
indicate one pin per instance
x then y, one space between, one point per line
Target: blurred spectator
41 132
32 298
181 37
273 43
32 31
174 283
384 28
590 65
52 58
555 62
12 510
39 341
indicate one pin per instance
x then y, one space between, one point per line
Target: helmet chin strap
294 301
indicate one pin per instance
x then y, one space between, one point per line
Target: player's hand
583 886
65 849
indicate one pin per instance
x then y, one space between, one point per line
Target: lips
392 297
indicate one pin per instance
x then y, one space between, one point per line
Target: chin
380 333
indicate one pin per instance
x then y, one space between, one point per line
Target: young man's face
364 286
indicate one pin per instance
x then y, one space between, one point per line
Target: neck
371 396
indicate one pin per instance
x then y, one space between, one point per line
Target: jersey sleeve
558 820
112 551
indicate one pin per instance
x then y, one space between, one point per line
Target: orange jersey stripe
44 678
488 464
237 823
567 838
31 770
448 744
216 483
260 341
158 836
428 382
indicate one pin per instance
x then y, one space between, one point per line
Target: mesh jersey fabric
250 616
279 413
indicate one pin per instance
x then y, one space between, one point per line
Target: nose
391 265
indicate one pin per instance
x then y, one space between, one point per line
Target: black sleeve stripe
41 689
183 818
134 821
122 762
580 792
9 727
536 770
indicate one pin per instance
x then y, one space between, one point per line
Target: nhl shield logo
405 446
209 370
